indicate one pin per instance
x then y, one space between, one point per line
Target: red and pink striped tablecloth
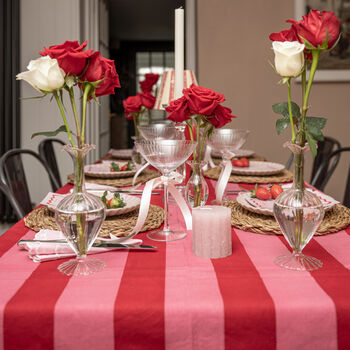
172 299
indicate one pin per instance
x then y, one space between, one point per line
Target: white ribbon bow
224 176
139 171
171 180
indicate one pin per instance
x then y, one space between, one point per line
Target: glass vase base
299 262
166 236
81 267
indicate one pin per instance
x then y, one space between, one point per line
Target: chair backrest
330 170
12 175
47 152
324 150
20 213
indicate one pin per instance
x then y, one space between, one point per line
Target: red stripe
28 316
139 306
255 312
334 279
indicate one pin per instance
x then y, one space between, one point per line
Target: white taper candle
179 52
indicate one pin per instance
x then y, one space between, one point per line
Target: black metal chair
14 181
47 152
324 149
328 170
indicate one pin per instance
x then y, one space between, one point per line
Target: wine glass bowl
162 131
229 140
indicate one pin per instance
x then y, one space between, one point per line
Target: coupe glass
227 141
166 156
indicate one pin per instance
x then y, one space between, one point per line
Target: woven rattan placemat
335 220
283 176
119 225
119 182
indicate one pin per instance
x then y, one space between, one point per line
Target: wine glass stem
166 209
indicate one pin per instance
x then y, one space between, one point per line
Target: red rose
147 100
150 80
314 27
178 109
222 116
102 68
202 100
70 56
132 104
285 35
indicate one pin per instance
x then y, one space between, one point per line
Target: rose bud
289 57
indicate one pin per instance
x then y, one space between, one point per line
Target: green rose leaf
62 128
312 144
281 124
314 125
282 108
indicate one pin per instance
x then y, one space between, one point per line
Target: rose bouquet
295 49
201 109
66 67
300 212
136 106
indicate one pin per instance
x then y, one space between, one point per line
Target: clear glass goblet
166 156
227 142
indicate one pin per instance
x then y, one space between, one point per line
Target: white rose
44 74
289 57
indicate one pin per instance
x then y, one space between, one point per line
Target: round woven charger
334 220
119 225
283 176
119 182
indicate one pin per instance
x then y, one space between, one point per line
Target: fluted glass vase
80 216
196 190
299 213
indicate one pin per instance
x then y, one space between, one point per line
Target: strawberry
245 162
237 163
261 193
124 167
275 191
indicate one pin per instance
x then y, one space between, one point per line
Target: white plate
258 168
121 153
132 203
238 153
266 207
103 170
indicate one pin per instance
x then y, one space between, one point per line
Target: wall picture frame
334 66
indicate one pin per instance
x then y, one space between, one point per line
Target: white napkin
40 252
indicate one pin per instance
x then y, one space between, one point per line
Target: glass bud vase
299 213
136 156
80 216
196 190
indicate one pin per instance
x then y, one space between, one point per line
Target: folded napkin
40 252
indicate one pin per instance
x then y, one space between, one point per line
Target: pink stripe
15 269
89 323
305 314
191 281
338 245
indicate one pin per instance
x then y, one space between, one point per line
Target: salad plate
110 169
258 168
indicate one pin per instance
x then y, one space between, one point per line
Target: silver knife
97 244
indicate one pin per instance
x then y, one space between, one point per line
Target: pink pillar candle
211 231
